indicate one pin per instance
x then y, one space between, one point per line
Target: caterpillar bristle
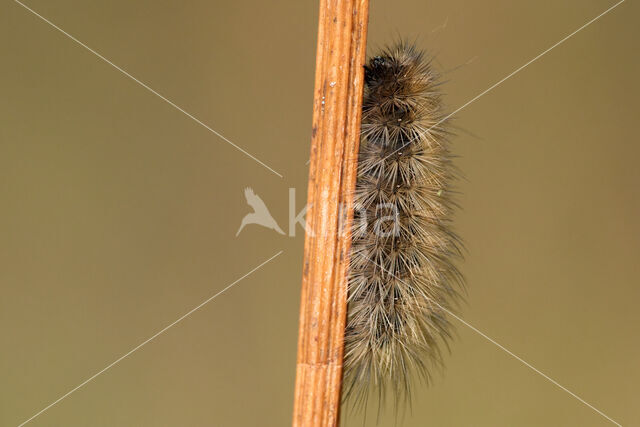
402 275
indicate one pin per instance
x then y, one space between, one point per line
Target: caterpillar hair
402 276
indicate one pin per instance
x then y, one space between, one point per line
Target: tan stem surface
335 139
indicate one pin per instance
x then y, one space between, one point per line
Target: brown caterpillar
402 275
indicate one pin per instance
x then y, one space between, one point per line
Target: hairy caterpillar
402 275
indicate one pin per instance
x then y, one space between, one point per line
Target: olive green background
118 213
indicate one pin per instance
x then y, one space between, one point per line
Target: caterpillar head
379 69
396 71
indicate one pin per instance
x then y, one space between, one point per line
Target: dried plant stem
335 139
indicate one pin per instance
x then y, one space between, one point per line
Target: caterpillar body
402 277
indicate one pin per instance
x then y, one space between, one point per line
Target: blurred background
118 213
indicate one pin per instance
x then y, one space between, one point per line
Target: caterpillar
402 277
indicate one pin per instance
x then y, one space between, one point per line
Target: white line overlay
160 332
530 62
516 71
528 365
509 352
177 107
